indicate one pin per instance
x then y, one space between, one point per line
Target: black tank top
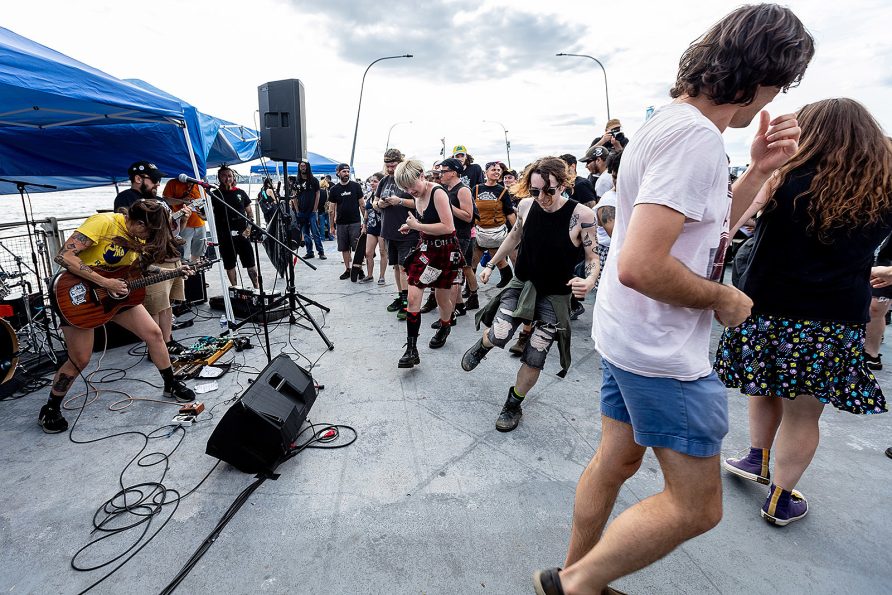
462 228
430 214
547 256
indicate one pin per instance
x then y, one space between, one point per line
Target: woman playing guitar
112 240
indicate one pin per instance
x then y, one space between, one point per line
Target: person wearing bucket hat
473 173
145 177
395 206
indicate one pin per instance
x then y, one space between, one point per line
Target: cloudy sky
473 61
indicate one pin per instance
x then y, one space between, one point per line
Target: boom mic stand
50 351
295 299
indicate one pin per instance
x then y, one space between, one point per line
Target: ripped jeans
542 335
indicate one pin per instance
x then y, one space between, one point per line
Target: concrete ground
430 498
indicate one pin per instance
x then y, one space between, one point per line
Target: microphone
187 180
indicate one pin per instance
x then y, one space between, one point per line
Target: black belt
438 243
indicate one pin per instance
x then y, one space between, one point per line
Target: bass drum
9 351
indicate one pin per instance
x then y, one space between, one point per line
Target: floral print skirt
783 357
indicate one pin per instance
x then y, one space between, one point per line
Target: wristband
491 266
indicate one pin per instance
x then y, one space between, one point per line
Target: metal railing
48 236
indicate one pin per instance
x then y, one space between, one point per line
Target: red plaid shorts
434 262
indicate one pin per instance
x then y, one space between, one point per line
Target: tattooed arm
69 260
584 232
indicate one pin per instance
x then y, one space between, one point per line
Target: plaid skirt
435 262
774 356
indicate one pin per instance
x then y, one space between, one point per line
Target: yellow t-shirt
103 228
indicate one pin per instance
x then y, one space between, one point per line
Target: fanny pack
491 237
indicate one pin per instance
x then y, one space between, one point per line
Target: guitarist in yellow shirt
113 240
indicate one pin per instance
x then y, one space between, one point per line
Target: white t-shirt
608 200
604 184
676 159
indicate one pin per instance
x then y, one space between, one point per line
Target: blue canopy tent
320 165
72 126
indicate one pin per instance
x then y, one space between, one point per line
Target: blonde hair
408 172
612 124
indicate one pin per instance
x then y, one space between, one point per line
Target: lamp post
391 130
606 93
359 107
507 142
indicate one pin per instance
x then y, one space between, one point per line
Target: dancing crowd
650 231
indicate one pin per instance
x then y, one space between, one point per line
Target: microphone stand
20 185
257 231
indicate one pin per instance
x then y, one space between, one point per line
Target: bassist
113 240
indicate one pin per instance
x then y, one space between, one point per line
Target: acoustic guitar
84 304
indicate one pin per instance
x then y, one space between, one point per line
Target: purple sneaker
753 466
783 507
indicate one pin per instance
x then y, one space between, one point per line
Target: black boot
436 324
473 356
410 359
511 413
506 274
439 338
472 302
430 304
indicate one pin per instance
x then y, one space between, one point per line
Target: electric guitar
87 305
197 205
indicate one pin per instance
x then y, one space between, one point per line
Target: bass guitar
87 305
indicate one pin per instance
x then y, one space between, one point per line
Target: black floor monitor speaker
283 122
258 431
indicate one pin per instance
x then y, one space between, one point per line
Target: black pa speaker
257 432
195 289
282 120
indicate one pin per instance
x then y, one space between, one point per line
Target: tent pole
209 210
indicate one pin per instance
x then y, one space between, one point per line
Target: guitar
197 205
84 304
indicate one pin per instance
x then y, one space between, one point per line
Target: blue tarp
320 165
67 124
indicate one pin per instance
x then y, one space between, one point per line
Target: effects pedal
192 408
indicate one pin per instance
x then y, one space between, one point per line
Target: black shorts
398 250
468 245
236 245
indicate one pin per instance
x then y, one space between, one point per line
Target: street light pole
359 107
507 142
391 130
606 93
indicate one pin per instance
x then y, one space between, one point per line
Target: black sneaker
51 420
873 363
322 256
439 339
474 355
174 347
460 310
430 304
345 275
309 255
511 413
179 391
575 313
396 304
889 452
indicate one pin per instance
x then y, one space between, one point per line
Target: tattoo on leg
63 383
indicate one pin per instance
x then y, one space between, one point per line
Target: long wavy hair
756 45
545 167
852 158
161 245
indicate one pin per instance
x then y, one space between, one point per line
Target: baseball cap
393 155
342 166
459 149
595 153
453 164
145 168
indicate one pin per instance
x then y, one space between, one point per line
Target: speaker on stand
259 430
282 120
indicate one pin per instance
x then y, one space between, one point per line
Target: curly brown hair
545 167
161 245
852 159
756 45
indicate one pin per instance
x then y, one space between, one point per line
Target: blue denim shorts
690 417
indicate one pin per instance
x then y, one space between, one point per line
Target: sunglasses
388 162
491 163
535 192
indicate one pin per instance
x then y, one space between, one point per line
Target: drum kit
27 328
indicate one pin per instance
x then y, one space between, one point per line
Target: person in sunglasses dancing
548 233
